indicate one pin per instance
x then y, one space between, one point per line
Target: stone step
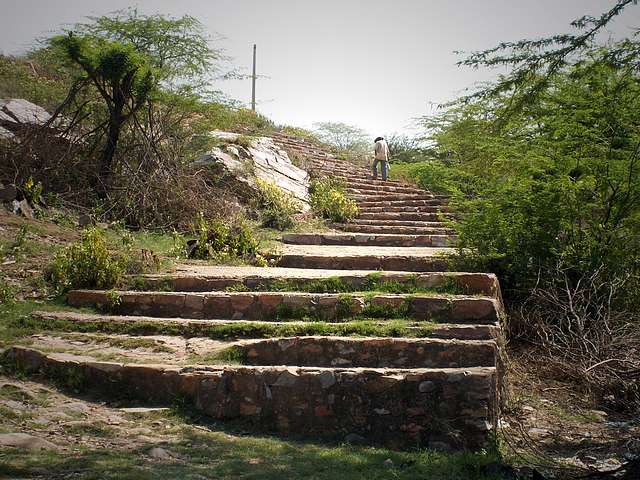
224 328
364 189
399 203
203 278
362 177
396 230
393 217
399 223
395 407
413 209
366 239
292 305
389 197
346 352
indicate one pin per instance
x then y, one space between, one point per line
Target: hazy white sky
373 63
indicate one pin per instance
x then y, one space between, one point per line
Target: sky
376 64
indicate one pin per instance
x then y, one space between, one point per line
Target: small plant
21 238
329 200
114 300
278 207
7 294
86 264
216 239
179 248
32 191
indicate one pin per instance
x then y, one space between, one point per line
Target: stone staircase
359 334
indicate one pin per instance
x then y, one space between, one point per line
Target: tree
347 138
178 48
534 63
123 78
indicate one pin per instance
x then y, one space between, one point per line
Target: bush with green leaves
87 264
216 239
330 201
278 207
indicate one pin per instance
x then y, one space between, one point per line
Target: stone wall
437 408
371 352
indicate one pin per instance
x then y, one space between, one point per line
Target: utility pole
253 81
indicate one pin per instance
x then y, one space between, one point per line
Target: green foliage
277 206
215 239
32 191
18 79
329 200
7 293
346 138
558 184
177 47
87 264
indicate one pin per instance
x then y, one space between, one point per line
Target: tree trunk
106 160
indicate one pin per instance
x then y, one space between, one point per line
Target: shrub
278 207
87 264
216 239
329 200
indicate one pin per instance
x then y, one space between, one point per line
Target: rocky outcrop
246 159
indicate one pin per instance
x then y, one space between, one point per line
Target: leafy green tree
347 138
123 78
178 48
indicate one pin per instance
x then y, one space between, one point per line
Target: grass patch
356 327
218 454
90 429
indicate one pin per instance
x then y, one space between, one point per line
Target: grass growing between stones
358 327
16 321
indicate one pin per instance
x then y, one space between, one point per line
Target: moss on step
216 330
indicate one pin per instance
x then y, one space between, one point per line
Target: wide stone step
403 216
400 203
291 305
395 407
347 352
389 197
363 189
204 278
365 239
406 209
224 328
389 229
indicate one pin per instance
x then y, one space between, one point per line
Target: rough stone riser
413 216
390 263
397 230
370 353
449 408
406 209
372 240
399 203
266 305
433 221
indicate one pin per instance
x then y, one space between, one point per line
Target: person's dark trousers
385 169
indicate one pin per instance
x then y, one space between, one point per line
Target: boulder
20 111
261 159
24 442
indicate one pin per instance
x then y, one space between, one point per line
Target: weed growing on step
357 326
278 207
375 310
87 264
329 200
216 240
344 306
233 355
